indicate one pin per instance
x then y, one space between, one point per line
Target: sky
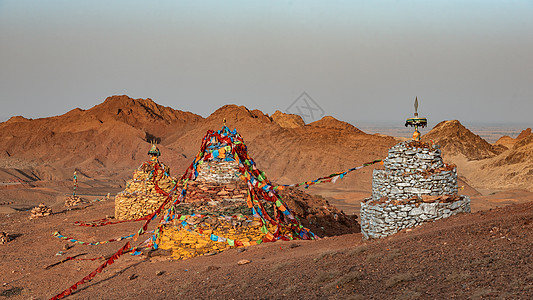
359 61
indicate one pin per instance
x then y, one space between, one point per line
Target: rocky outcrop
455 139
287 120
509 142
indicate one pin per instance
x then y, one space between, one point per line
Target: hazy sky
359 60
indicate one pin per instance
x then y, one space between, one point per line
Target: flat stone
455 205
416 211
429 208
418 190
406 208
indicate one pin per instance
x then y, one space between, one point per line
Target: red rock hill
455 139
112 138
508 141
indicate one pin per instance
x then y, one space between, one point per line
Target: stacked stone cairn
40 211
215 215
215 204
140 198
73 200
414 187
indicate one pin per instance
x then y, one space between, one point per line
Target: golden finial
154 151
224 121
416 122
416 107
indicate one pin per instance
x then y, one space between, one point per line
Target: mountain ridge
112 138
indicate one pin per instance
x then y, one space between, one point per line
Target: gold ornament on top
416 122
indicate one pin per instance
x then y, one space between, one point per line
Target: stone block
416 211
429 208
417 190
406 208
402 214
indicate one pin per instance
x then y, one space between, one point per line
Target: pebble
243 262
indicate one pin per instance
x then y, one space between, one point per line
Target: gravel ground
487 254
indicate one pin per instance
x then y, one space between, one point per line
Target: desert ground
485 254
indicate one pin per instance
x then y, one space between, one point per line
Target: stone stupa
414 187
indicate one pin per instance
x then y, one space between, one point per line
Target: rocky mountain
511 169
110 139
455 139
105 140
287 120
508 141
289 155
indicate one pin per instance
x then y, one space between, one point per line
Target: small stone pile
416 186
40 211
140 198
73 200
317 214
4 238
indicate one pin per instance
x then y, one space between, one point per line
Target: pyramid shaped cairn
229 203
141 198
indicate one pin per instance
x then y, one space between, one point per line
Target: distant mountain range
109 140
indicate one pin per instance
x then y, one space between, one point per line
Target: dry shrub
356 297
357 250
393 254
398 278
410 295
480 293
14 291
326 276
325 254
373 257
351 277
280 266
292 289
458 277
181 288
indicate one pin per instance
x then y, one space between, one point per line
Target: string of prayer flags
72 240
332 177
